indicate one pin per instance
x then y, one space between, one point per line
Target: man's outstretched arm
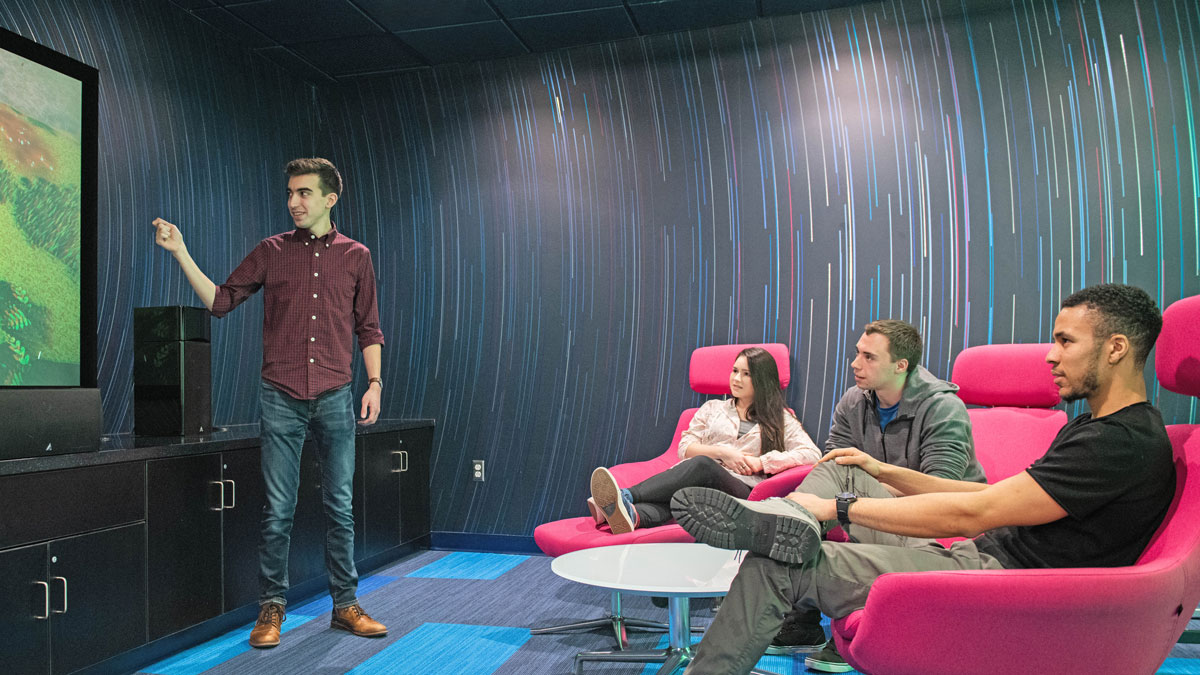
168 237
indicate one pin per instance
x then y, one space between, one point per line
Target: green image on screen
40 242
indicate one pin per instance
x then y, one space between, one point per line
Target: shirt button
318 254
315 274
312 360
314 295
314 317
312 339
306 243
312 236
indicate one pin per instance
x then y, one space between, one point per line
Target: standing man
899 413
320 290
1093 500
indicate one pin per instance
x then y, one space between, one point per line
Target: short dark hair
904 341
1125 310
328 177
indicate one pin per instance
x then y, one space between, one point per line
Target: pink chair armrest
781 483
1037 612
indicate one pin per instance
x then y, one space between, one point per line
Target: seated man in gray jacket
898 413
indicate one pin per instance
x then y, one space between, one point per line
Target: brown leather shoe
355 620
266 629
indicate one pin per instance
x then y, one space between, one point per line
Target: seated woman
731 445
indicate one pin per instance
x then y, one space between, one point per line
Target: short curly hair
1124 310
328 177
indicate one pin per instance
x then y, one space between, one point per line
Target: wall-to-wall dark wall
567 228
554 234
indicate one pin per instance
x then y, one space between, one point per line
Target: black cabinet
186 496
73 602
241 471
392 486
99 560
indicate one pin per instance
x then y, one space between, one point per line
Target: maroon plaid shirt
319 293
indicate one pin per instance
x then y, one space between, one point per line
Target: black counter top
131 448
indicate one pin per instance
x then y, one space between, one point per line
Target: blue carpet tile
470 613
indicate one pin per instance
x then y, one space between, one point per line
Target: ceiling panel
290 21
227 23
552 31
342 38
466 42
515 8
398 15
666 16
360 54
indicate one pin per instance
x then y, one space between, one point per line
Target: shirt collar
300 235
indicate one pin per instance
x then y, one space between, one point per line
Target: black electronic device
42 422
172 371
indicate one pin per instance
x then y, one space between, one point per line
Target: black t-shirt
1115 478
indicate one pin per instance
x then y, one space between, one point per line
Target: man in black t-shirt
1094 499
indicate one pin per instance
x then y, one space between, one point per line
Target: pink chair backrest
1177 365
1019 426
1005 375
709 368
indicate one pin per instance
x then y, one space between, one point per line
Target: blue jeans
285 420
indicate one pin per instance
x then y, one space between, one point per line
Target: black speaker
168 324
39 422
172 387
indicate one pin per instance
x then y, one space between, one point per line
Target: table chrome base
679 645
616 620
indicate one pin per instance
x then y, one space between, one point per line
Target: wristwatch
375 379
844 500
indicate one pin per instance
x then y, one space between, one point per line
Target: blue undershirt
886 414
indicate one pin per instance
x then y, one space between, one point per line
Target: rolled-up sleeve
246 279
366 306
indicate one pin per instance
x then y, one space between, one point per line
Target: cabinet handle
64 583
404 460
402 467
46 611
232 494
221 498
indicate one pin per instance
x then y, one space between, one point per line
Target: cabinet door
25 610
97 596
417 445
381 463
241 523
183 519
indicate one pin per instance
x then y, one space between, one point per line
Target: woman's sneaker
615 503
828 660
778 528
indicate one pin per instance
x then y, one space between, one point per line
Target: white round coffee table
678 572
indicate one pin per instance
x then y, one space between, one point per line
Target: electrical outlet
477 469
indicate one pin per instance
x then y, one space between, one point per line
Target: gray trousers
835 581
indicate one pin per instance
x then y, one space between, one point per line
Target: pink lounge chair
708 373
1087 620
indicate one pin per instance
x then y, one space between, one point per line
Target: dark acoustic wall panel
195 129
557 232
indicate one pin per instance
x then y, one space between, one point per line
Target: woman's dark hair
768 407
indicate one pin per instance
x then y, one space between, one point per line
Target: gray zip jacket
931 432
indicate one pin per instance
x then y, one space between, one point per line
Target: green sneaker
828 660
777 528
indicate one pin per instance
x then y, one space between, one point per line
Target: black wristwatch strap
844 500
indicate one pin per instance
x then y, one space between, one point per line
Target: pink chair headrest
1177 352
710 366
1005 375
